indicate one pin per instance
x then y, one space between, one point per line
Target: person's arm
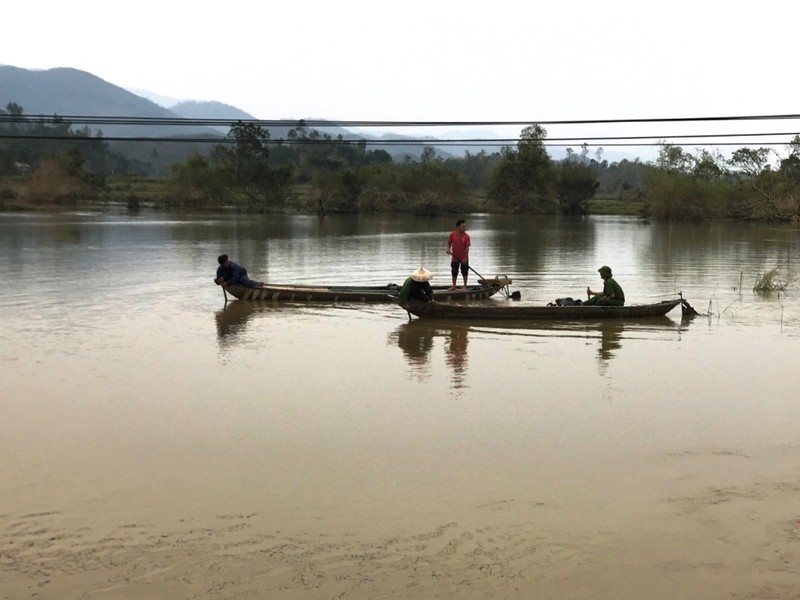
590 292
449 249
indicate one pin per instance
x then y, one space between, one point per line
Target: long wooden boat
345 293
493 311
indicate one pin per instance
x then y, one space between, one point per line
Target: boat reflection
609 333
232 320
417 338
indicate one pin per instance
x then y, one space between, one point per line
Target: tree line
49 162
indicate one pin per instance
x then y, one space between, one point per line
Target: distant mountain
193 109
161 100
70 92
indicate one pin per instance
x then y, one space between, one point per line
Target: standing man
458 248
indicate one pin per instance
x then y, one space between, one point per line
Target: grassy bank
616 206
138 191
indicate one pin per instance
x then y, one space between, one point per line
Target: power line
701 139
181 121
622 141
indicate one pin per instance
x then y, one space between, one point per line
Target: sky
436 60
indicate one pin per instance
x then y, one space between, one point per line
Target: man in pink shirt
458 249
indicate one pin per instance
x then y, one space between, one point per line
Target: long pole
476 273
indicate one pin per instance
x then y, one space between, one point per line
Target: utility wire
180 121
628 140
654 140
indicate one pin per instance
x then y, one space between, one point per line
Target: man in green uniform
612 294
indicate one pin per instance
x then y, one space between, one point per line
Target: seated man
416 286
612 294
229 273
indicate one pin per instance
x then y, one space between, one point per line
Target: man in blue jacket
229 273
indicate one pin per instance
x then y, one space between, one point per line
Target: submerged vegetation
47 164
774 280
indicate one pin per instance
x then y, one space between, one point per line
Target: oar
474 271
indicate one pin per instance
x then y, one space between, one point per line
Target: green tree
429 188
674 159
198 183
42 139
790 166
476 169
708 166
525 179
775 196
576 185
683 186
245 164
14 109
677 196
334 192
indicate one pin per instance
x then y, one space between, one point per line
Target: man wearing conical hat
417 287
612 294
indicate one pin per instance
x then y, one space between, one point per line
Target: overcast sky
434 60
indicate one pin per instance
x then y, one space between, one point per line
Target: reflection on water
456 355
610 339
417 338
231 322
416 341
234 320
612 333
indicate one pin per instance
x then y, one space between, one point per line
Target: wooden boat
345 293
493 311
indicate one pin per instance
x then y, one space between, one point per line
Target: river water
583 460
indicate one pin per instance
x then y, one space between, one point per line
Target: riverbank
136 192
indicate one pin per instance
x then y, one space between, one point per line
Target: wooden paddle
474 271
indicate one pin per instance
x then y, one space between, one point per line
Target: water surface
136 401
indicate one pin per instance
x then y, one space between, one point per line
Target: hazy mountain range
71 92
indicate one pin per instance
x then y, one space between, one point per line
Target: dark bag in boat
565 302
